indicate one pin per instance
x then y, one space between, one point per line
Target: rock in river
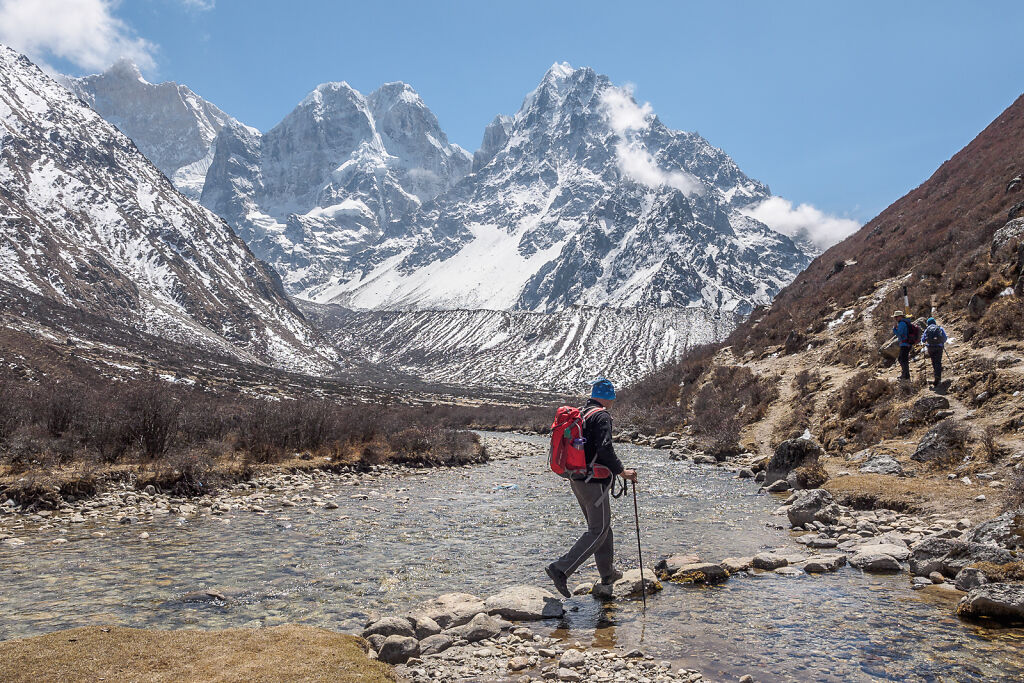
524 603
769 561
701 572
824 563
875 562
1003 602
670 565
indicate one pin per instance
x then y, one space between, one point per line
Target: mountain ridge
87 220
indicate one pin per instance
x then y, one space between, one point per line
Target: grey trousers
597 541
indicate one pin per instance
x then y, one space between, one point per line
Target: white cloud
627 120
201 5
84 32
622 111
803 221
637 163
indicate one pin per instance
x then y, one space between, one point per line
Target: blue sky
844 106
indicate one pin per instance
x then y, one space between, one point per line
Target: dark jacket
599 448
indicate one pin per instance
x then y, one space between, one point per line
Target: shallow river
478 529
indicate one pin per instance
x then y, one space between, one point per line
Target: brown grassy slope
282 653
950 215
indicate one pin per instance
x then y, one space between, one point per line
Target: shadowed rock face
87 221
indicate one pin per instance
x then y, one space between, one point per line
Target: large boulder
1005 531
451 609
480 627
701 572
965 553
789 456
940 442
390 626
813 505
926 555
1003 602
524 603
890 349
398 649
883 463
875 562
425 627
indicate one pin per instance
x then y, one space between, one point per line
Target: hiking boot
611 578
558 578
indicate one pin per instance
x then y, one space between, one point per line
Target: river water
478 529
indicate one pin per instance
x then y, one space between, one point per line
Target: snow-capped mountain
327 181
86 220
581 198
174 127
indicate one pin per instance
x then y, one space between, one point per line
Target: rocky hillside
174 127
818 362
87 220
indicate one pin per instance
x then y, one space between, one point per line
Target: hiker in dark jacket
902 332
592 494
934 339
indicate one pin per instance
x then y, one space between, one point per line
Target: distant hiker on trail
908 334
590 473
934 339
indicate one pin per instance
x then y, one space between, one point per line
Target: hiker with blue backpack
582 451
934 339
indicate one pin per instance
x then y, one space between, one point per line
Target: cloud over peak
803 221
628 121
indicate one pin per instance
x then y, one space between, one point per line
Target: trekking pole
639 553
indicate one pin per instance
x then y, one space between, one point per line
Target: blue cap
931 321
602 389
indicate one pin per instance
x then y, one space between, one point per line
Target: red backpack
567 457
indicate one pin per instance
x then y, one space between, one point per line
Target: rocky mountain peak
173 126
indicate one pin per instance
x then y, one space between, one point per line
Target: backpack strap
587 415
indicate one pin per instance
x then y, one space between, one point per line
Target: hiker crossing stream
332 552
